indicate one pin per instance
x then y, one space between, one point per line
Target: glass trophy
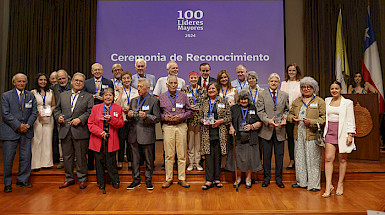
301 115
242 126
278 118
208 119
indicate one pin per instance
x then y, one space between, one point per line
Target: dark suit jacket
82 110
57 90
13 117
143 130
211 79
89 86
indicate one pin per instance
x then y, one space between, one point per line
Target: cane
235 164
105 161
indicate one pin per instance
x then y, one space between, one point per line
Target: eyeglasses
306 87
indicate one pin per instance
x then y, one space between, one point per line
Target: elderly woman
339 131
214 114
196 95
227 91
254 89
244 125
104 123
123 96
291 86
305 112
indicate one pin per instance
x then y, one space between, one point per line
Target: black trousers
55 143
101 163
123 147
290 139
148 151
213 162
267 154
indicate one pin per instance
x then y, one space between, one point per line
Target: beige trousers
175 139
194 144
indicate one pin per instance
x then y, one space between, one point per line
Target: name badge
29 104
151 88
179 105
116 114
252 112
146 107
189 94
104 86
221 105
314 105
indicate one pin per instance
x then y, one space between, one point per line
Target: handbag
320 138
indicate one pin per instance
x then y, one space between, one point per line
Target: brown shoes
66 184
166 184
184 183
83 184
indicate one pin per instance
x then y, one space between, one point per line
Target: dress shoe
91 167
297 186
167 184
280 185
184 183
149 185
101 186
120 165
314 190
116 185
24 184
66 184
133 185
163 167
8 189
265 184
60 165
36 170
199 167
83 185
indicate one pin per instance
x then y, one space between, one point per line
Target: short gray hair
92 67
244 94
14 77
169 64
272 75
172 76
78 74
145 81
252 74
62 70
311 82
115 65
216 85
140 60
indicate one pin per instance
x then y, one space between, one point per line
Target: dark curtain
320 37
47 35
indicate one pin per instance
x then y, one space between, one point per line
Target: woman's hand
349 140
232 130
104 135
295 118
247 127
107 117
306 121
217 122
195 107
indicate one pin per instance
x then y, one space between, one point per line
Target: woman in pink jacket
104 123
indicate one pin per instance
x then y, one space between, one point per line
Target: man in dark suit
19 112
144 113
95 86
205 78
72 112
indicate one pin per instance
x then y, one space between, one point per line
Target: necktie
204 83
274 97
98 86
21 100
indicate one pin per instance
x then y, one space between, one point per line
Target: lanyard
128 95
309 102
105 112
244 114
18 98
276 99
72 102
43 97
100 84
196 94
244 84
68 88
116 81
139 105
251 94
212 106
224 94
172 101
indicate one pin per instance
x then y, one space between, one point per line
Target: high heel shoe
330 193
339 193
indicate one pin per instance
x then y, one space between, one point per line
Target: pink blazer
95 125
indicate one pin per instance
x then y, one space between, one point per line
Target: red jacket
95 125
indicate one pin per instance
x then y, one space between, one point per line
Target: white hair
139 61
145 81
272 75
311 82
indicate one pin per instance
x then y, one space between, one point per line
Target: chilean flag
371 66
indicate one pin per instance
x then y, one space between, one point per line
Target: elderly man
72 112
140 66
19 112
205 78
241 82
117 73
176 110
161 87
273 109
144 114
53 78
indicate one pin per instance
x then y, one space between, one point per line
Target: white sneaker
190 167
199 168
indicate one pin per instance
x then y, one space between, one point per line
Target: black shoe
291 167
36 170
265 184
314 190
91 167
8 189
280 185
116 185
133 185
101 186
297 186
163 166
24 184
149 185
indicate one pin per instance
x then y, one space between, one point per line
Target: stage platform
364 189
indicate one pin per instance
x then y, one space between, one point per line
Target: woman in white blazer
339 132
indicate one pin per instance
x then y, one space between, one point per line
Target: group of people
205 120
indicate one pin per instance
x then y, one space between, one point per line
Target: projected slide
221 33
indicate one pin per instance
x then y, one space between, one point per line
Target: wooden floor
364 190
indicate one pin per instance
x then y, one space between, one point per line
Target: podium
367 139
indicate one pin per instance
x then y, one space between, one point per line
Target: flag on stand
342 66
371 66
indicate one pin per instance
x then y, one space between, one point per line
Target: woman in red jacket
104 123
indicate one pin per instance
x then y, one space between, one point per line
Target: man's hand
23 128
283 121
126 109
176 118
61 119
130 113
142 114
271 122
75 122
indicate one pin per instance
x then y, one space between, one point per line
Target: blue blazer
89 86
14 116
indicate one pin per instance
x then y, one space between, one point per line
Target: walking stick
105 151
235 165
